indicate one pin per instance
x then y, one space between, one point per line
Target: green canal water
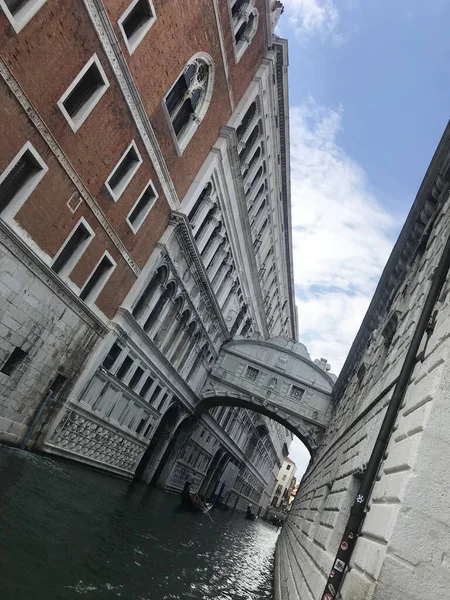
67 532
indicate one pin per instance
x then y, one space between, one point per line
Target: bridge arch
275 378
240 401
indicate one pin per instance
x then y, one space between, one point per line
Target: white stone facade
403 546
221 270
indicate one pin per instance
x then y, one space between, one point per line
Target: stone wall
402 551
50 334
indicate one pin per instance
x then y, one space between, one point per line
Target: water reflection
67 532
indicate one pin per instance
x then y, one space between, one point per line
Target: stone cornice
190 246
432 194
281 48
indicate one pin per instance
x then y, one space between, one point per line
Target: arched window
248 117
255 157
244 19
249 144
206 192
189 98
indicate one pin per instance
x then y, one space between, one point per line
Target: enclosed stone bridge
276 378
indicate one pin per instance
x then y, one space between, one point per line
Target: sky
369 87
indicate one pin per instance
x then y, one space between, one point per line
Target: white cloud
312 16
341 235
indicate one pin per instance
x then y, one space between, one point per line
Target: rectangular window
135 23
19 12
112 356
142 207
79 100
155 394
288 467
14 360
147 385
98 278
124 367
136 378
162 402
251 374
296 393
141 425
123 172
72 249
19 179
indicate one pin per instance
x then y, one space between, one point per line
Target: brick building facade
144 222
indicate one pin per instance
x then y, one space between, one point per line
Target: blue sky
369 99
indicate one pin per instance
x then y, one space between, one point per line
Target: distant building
293 492
283 485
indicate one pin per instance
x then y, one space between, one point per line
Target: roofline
429 199
282 62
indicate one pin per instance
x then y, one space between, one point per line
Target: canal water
67 532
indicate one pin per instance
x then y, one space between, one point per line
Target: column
254 168
179 337
206 233
171 333
152 328
210 248
253 192
220 276
153 299
187 356
217 260
202 212
225 294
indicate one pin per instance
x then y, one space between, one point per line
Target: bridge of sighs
275 378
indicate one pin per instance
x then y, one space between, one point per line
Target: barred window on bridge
251 374
296 393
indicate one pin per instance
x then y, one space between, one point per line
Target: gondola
193 502
251 516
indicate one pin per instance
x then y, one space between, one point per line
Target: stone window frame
26 190
249 371
131 43
77 122
117 192
65 272
24 15
133 226
249 9
92 298
292 393
185 136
